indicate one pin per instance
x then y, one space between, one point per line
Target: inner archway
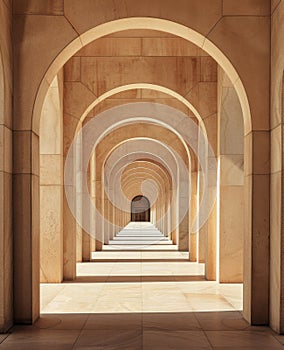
140 209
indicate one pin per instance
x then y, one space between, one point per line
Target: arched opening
140 209
188 34
103 206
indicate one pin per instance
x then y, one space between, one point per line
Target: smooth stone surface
140 281
109 314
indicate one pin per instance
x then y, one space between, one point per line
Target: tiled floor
156 330
140 299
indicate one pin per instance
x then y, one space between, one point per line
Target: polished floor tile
181 340
109 339
243 339
155 330
62 321
221 321
35 339
170 321
110 321
140 281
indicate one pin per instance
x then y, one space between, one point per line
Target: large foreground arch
54 39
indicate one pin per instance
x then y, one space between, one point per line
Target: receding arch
172 28
142 23
127 122
159 173
143 86
119 160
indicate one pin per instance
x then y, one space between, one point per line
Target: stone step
140 236
157 242
151 247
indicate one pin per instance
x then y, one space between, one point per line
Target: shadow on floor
122 279
192 330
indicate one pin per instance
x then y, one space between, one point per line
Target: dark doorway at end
140 209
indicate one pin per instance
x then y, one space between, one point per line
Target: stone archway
252 281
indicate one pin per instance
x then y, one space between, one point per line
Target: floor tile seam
197 320
109 275
191 331
100 294
61 290
278 340
205 334
76 340
227 301
85 322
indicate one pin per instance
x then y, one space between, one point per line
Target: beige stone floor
140 282
133 300
177 309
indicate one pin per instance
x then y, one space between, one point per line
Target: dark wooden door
140 209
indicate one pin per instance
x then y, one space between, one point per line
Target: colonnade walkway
140 292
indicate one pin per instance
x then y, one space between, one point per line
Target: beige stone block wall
276 179
202 233
51 185
249 7
26 272
231 234
6 234
193 212
34 7
231 192
70 228
210 251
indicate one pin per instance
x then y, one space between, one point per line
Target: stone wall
6 240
